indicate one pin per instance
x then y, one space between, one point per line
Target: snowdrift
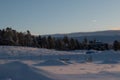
23 63
25 53
51 63
19 71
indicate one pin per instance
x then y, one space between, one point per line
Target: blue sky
60 16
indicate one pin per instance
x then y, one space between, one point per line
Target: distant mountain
104 36
97 33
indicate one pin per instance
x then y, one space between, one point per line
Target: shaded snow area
19 71
22 63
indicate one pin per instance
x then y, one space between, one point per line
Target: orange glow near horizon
115 28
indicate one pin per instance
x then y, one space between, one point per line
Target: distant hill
104 36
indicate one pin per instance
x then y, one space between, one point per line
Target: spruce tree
116 45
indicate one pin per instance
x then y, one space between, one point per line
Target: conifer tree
116 45
51 42
66 42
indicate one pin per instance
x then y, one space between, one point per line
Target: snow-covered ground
22 63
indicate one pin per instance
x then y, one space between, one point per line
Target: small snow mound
51 63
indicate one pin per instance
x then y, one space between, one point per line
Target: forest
11 37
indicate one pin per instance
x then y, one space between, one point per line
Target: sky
60 16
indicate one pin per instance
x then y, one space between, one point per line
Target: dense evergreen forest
12 37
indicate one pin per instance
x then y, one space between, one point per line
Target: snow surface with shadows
19 71
22 63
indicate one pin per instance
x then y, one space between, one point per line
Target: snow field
22 63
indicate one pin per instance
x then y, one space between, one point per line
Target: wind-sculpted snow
23 63
19 71
27 51
51 63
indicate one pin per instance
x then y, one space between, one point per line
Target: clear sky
60 16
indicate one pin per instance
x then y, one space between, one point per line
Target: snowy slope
96 33
19 71
103 36
23 63
11 52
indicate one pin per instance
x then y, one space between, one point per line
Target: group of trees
57 43
116 45
11 37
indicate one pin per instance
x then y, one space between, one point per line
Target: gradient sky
60 16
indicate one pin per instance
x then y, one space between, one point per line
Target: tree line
12 37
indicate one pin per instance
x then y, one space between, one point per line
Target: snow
50 63
23 63
19 71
